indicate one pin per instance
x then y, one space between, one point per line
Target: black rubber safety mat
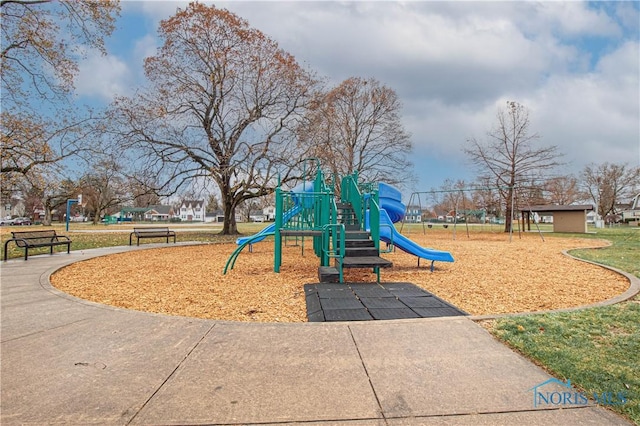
382 303
347 315
372 301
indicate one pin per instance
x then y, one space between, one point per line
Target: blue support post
69 202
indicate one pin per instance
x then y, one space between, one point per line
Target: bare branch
221 104
509 154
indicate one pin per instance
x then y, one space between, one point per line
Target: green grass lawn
87 236
597 348
624 252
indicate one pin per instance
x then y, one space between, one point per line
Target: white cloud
102 76
594 117
574 18
628 15
145 47
154 9
453 64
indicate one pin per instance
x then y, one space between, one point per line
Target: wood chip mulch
490 275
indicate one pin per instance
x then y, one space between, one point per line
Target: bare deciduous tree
42 42
607 184
487 197
221 103
104 188
509 157
142 189
356 127
562 190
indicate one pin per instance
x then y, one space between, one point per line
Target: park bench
34 239
152 232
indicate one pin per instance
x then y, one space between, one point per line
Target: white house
269 213
413 214
192 211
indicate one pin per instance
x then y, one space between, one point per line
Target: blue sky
575 65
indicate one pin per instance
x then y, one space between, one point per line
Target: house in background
192 211
216 216
441 216
257 216
413 214
131 214
13 208
269 213
153 213
159 213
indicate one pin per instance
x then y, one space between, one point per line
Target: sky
574 65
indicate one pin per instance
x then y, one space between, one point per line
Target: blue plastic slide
389 234
391 211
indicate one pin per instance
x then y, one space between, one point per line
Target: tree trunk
508 216
47 213
229 226
508 222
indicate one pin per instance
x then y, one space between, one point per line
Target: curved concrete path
69 361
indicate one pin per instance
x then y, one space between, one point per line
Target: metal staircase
360 250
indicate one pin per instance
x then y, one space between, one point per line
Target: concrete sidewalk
65 360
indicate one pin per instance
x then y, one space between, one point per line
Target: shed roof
550 208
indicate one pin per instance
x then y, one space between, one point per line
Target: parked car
21 221
4 222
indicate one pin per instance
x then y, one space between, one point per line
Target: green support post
320 205
374 219
277 257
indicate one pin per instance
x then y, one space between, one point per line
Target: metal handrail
389 248
334 245
350 193
374 219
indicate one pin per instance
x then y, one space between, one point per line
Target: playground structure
346 231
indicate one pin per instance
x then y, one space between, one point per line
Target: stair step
328 274
361 251
347 216
357 235
366 262
359 243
